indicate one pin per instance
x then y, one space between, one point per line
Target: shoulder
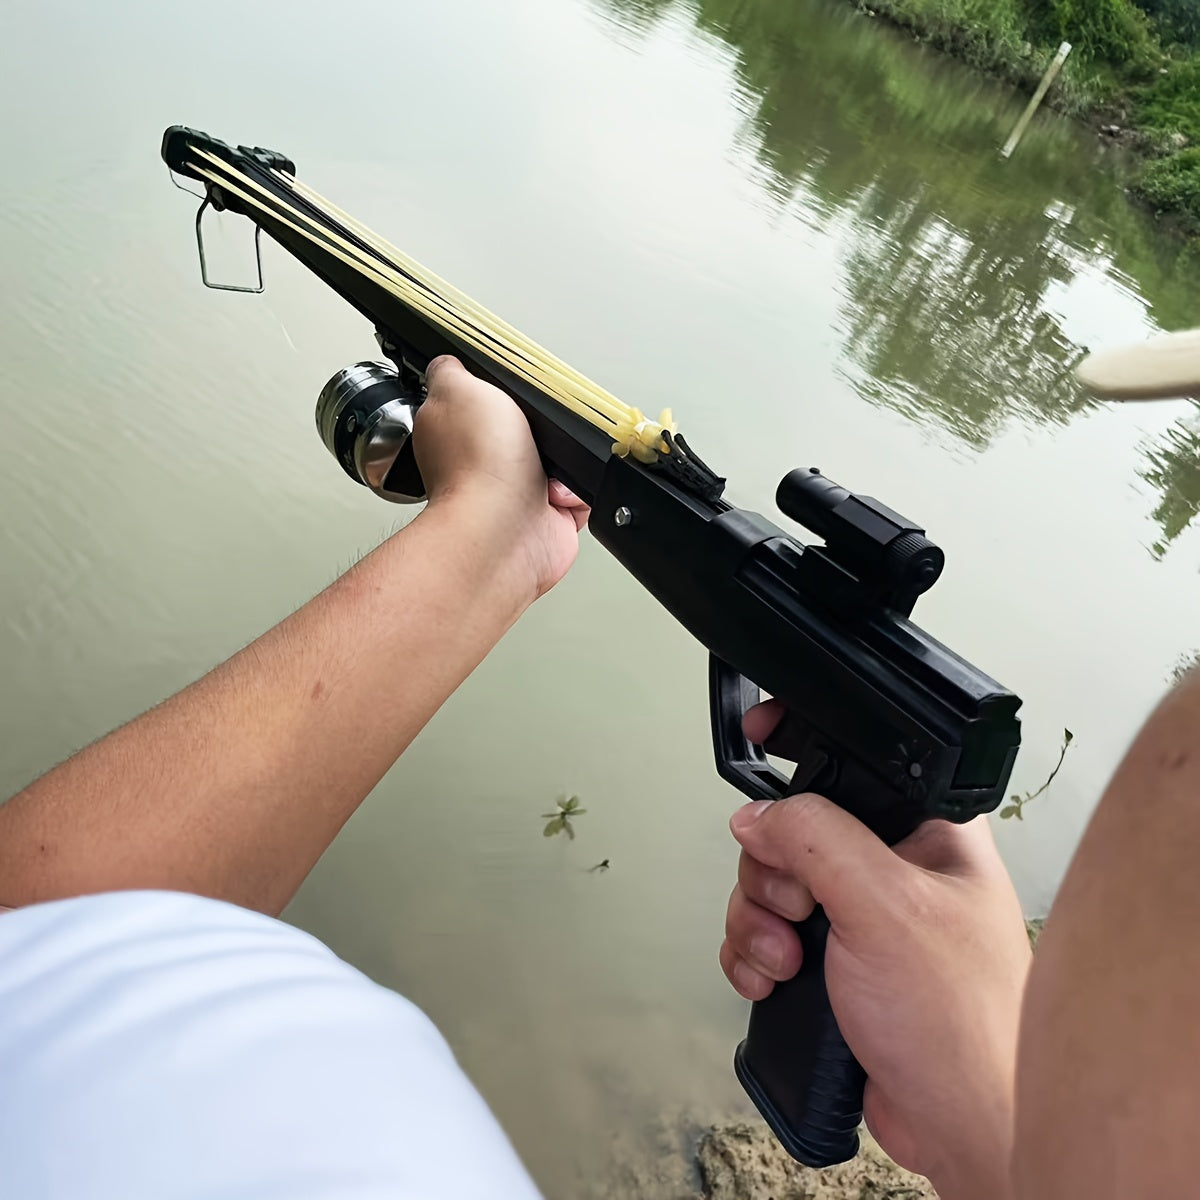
178 1038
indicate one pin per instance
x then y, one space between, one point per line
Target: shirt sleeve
160 1046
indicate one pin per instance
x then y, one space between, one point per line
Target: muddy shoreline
741 1160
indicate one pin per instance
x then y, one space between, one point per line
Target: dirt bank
741 1160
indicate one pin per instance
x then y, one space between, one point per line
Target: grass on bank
1139 62
1169 110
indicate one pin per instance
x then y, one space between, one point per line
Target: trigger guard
739 761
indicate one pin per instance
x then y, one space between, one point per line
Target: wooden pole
1038 96
1163 367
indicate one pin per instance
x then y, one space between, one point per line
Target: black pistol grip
794 1063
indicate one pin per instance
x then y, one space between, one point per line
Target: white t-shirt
160 1046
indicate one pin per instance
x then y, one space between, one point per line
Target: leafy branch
1017 803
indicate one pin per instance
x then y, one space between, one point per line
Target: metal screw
623 517
351 423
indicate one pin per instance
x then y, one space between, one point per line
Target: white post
1038 96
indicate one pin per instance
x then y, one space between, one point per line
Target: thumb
848 870
442 372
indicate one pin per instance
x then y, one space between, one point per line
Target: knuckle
743 925
437 365
728 959
791 830
740 924
787 896
804 814
733 910
749 869
778 891
794 902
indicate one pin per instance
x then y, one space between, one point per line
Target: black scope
888 553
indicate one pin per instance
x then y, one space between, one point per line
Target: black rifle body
880 718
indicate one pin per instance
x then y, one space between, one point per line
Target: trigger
815 772
816 768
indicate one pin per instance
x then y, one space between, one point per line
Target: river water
784 220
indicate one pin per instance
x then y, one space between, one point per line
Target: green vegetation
1172 105
1114 41
1172 184
1110 32
559 821
1185 664
1136 65
1178 20
990 34
1016 807
950 259
1170 109
1139 62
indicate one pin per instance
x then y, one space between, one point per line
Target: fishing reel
365 417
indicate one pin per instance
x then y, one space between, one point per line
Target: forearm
234 787
1108 1085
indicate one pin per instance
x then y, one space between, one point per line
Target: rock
745 1162
1177 140
1111 130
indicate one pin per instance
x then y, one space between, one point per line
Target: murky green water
781 219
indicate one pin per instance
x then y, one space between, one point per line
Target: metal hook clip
171 177
226 287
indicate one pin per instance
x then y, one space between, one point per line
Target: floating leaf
558 821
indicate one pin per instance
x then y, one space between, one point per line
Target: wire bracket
226 287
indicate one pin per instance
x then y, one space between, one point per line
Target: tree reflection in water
1173 468
950 253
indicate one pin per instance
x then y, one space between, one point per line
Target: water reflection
1173 468
943 328
723 220
949 255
